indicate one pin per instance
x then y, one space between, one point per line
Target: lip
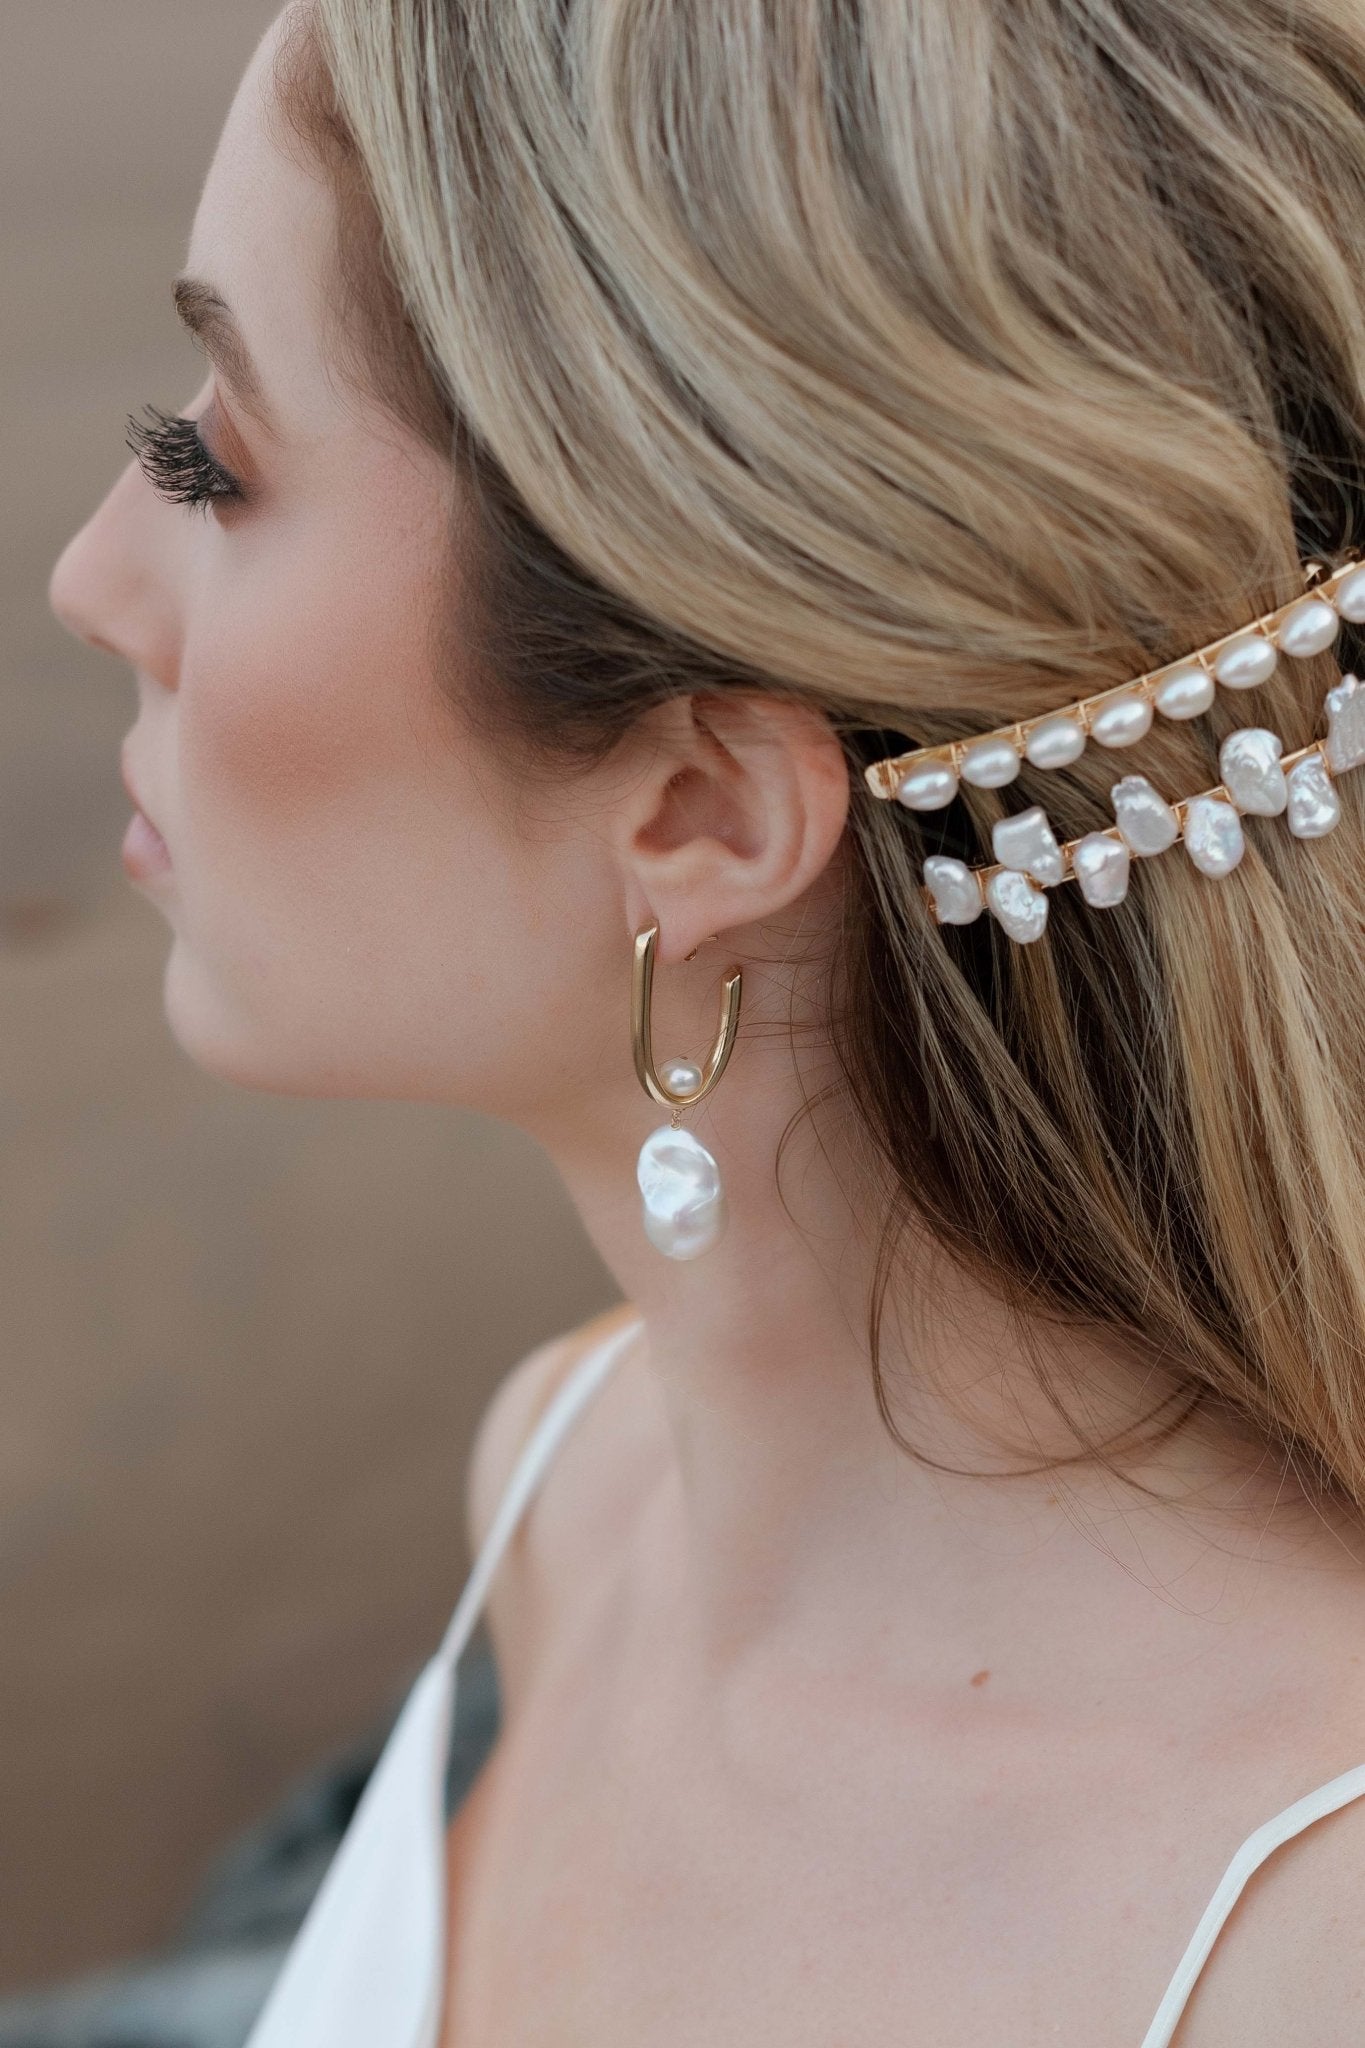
134 794
144 851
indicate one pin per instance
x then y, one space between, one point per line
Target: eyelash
175 461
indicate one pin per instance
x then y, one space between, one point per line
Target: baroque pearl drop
990 764
1026 842
928 787
1121 721
1056 742
1185 692
1100 863
1345 708
1350 597
682 1198
1314 807
1308 627
954 888
1148 823
1249 763
1246 661
1213 835
1018 905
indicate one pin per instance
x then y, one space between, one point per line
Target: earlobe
740 811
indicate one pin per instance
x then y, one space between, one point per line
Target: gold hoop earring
680 1186
681 1091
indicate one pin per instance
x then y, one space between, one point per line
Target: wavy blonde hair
938 363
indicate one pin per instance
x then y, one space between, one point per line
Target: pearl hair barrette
1258 777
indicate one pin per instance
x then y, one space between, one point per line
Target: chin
225 1041
297 1053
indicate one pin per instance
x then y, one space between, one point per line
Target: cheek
307 666
336 851
362 909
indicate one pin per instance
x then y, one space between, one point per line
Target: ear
736 805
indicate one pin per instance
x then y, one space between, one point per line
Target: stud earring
680 1185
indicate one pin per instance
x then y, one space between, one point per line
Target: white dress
367 1969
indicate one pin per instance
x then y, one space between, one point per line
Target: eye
175 461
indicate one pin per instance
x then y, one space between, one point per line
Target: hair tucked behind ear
938 362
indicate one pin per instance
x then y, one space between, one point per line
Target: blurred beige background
243 1339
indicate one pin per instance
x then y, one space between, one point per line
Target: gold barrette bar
927 778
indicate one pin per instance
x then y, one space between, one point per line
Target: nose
113 584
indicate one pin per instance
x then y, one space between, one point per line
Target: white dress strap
568 1403
367 1967
1271 1835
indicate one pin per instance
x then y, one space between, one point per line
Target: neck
799 1510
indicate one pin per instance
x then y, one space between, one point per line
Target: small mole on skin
979 1677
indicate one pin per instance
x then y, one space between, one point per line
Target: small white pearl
1308 627
1018 905
682 1076
1185 692
1121 721
990 764
1100 863
1314 807
1349 597
1213 835
954 888
1246 661
1026 842
1249 765
928 787
1056 742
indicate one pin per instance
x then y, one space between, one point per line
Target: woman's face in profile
347 875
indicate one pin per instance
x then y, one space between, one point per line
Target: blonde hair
937 363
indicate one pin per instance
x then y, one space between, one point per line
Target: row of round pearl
1259 779
927 779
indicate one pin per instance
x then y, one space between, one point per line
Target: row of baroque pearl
1258 778
927 779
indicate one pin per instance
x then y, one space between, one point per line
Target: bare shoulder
1289 1965
518 1402
584 1506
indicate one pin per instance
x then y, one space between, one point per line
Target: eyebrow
214 325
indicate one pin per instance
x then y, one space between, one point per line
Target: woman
636 442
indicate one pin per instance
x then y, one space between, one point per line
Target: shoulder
584 1504
518 1402
1290 1963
